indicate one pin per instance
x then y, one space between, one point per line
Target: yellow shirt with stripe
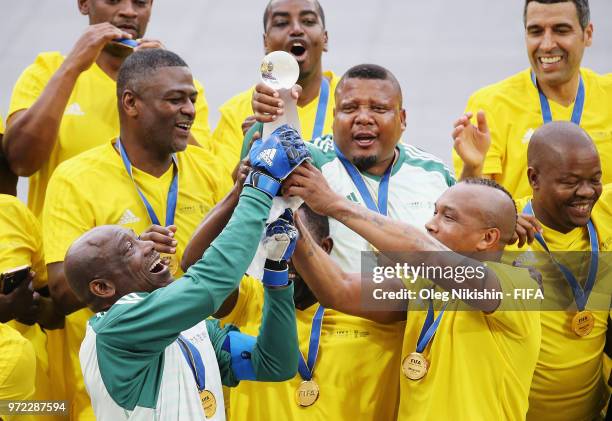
513 113
567 384
94 189
226 141
22 245
89 120
481 365
349 368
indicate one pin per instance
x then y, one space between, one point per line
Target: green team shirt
132 364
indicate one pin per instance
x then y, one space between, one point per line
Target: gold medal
307 393
415 366
583 322
209 403
171 261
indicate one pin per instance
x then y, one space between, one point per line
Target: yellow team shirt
22 245
94 189
567 384
226 141
89 120
349 370
513 113
481 365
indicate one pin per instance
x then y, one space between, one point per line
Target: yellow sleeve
23 234
227 137
495 155
33 80
239 314
201 127
66 214
17 365
515 314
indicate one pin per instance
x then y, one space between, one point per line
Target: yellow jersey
226 140
513 113
355 367
94 189
567 383
89 120
480 365
22 245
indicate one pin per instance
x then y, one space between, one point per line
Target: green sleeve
257 127
149 322
276 353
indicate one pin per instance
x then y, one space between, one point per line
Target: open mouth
184 125
364 139
581 209
550 61
298 49
157 266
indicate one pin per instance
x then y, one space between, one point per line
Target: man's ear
403 119
83 7
327 244
489 240
265 44
325 41
588 35
533 176
128 103
102 288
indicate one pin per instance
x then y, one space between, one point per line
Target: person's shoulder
603 81
238 101
49 61
8 202
416 157
102 320
197 158
87 163
512 85
322 150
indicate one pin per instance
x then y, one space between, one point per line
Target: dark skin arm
332 287
388 235
31 133
211 227
8 180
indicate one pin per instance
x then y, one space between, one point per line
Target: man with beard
62 106
148 176
365 162
297 27
555 87
473 359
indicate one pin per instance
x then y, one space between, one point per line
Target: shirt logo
268 156
128 217
527 136
74 109
352 197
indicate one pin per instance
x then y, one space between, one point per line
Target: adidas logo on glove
267 156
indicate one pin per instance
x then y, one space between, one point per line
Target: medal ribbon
306 370
429 327
317 130
194 359
172 192
581 296
383 188
578 104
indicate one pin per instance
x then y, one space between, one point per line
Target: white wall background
440 50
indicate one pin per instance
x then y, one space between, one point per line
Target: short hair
317 6
141 64
493 184
318 225
370 72
582 8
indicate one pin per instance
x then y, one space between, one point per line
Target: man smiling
557 32
147 176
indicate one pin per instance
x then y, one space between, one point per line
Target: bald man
481 361
564 171
150 352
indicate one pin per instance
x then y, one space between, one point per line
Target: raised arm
332 287
398 241
472 144
31 133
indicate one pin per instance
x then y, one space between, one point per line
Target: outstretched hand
472 142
